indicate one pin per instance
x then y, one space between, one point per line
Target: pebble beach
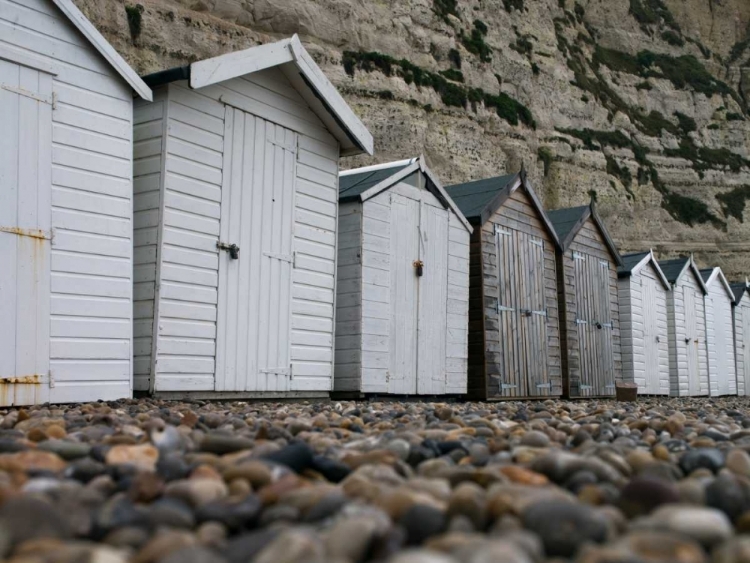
403 482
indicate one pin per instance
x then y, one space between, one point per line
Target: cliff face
641 104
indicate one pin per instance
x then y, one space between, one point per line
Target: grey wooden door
522 314
692 342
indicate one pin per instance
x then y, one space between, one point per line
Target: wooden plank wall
348 356
518 214
721 362
457 325
476 380
148 136
739 314
588 241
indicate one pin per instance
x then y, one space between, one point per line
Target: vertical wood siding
644 332
508 337
588 242
349 344
148 136
688 363
90 345
721 362
189 265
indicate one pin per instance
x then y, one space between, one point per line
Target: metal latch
419 265
233 249
526 312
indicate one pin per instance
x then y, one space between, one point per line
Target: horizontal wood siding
742 344
148 136
91 206
590 242
376 292
631 316
516 214
457 338
188 268
348 357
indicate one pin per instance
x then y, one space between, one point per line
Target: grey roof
739 290
673 268
565 219
630 261
473 197
706 273
351 186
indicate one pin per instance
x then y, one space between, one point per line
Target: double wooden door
418 294
522 314
594 325
253 351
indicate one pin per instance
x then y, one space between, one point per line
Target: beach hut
686 315
236 180
514 340
66 274
587 265
722 373
403 283
644 333
741 316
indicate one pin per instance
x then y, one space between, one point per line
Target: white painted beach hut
236 181
643 292
741 315
686 314
403 283
722 374
66 113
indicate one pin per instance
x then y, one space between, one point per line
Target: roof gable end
715 275
106 50
306 77
569 222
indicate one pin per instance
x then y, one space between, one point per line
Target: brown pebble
36 435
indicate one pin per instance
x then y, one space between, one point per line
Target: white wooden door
255 289
745 367
405 243
433 300
650 335
723 347
25 179
692 342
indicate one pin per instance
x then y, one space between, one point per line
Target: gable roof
710 275
367 182
480 199
299 68
675 268
106 50
569 221
634 263
353 183
739 290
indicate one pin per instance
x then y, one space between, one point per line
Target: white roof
105 49
310 81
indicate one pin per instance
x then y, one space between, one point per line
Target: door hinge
581 322
52 100
544 386
277 371
538 243
585 387
505 386
578 256
540 313
608 325
51 379
500 231
502 308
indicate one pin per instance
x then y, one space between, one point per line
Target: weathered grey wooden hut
722 370
66 233
514 340
403 283
236 167
644 331
587 265
741 316
686 314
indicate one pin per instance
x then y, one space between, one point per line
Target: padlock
419 265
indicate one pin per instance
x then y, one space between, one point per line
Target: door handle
233 249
